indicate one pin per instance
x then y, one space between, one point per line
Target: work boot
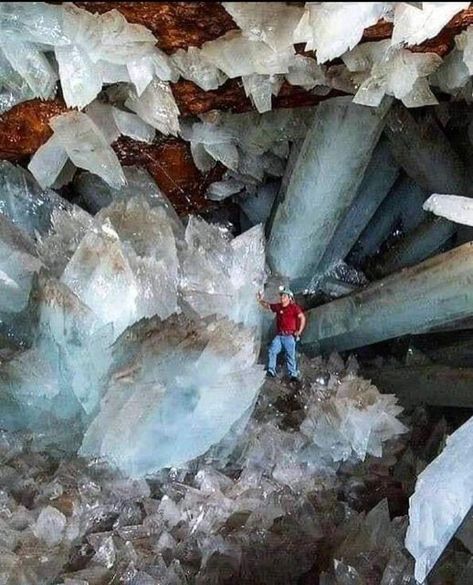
270 374
294 379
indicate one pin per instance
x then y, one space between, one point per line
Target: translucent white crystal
222 189
305 72
453 207
87 146
412 26
112 73
81 81
338 26
156 106
442 499
101 277
33 66
150 248
145 68
48 162
215 270
39 22
18 263
396 72
464 42
270 22
13 88
50 526
133 126
68 227
236 56
24 202
452 73
193 65
102 116
261 88
184 395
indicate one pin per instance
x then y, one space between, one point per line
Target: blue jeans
288 343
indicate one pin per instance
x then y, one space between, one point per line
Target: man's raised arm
262 302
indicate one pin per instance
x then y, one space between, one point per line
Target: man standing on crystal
290 323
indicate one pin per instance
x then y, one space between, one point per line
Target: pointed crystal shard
48 162
193 65
101 277
87 147
133 126
157 107
81 80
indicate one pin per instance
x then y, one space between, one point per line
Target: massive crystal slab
402 207
442 499
101 277
323 184
221 276
184 383
436 167
427 295
425 240
150 248
377 182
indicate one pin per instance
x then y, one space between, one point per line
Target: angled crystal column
378 180
427 295
324 182
403 205
442 499
416 246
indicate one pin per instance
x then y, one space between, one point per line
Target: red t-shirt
286 317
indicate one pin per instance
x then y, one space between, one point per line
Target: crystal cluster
218 516
98 276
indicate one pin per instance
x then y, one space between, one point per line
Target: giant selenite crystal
323 184
427 295
183 382
453 207
442 499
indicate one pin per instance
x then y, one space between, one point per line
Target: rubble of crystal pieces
226 513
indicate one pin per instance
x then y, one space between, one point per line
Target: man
290 323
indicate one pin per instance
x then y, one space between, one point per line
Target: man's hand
297 337
261 301
259 296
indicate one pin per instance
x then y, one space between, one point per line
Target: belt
286 332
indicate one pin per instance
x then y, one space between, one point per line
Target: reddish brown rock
176 25
170 163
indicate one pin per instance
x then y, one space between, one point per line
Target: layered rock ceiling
178 26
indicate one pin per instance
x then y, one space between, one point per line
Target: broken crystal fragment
156 106
50 526
102 116
222 189
260 88
13 88
441 500
413 26
179 387
87 147
342 134
453 207
305 72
